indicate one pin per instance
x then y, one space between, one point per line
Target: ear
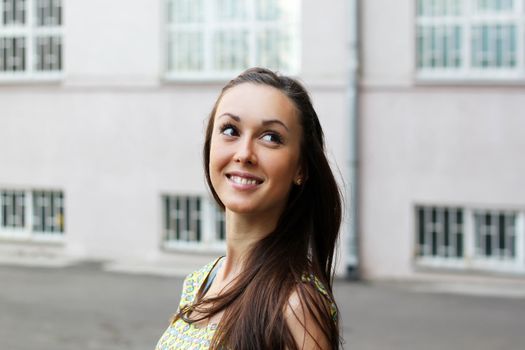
300 176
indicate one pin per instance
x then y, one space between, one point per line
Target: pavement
85 306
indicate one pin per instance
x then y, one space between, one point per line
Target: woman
265 166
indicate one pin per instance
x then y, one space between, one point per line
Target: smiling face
255 149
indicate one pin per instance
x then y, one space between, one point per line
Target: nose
245 153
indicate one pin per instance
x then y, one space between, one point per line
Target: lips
244 179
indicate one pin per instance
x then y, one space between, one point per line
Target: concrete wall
114 136
455 144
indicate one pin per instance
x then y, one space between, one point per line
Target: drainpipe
352 257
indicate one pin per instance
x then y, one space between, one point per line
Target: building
442 100
103 105
102 113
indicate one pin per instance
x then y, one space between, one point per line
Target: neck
242 232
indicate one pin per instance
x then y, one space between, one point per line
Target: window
220 38
470 238
470 39
31 39
192 221
183 219
13 209
220 224
440 232
48 211
495 234
31 214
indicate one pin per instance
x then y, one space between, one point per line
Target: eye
272 137
229 130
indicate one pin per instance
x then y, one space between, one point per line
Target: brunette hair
292 258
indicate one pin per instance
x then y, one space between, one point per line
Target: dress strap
312 279
211 276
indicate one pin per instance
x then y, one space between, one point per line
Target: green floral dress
181 335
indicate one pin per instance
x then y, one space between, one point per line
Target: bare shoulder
304 316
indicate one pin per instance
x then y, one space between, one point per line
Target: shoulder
308 314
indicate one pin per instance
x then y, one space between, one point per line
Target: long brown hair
302 244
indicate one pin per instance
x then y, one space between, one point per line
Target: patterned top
188 336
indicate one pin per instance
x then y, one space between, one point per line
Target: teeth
243 181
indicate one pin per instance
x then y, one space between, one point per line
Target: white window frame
210 25
27 232
209 241
470 260
30 31
468 18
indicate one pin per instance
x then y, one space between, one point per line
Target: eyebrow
265 122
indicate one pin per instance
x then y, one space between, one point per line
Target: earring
299 181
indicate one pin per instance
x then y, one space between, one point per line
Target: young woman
265 165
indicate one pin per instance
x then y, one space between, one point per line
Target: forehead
249 100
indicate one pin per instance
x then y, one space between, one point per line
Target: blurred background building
103 106
443 119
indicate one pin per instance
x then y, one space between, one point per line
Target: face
255 149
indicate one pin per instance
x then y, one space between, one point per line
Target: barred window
476 238
440 231
26 214
31 39
220 224
218 38
470 39
495 234
183 218
13 209
48 211
192 221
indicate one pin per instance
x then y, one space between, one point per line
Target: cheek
218 158
284 168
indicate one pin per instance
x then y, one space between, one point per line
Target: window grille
13 209
495 233
28 215
219 38
440 232
470 39
183 219
48 211
192 221
220 224
31 39
455 237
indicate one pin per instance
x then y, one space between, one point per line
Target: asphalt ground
85 307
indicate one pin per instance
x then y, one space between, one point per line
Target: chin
240 208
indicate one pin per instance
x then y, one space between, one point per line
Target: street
84 307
